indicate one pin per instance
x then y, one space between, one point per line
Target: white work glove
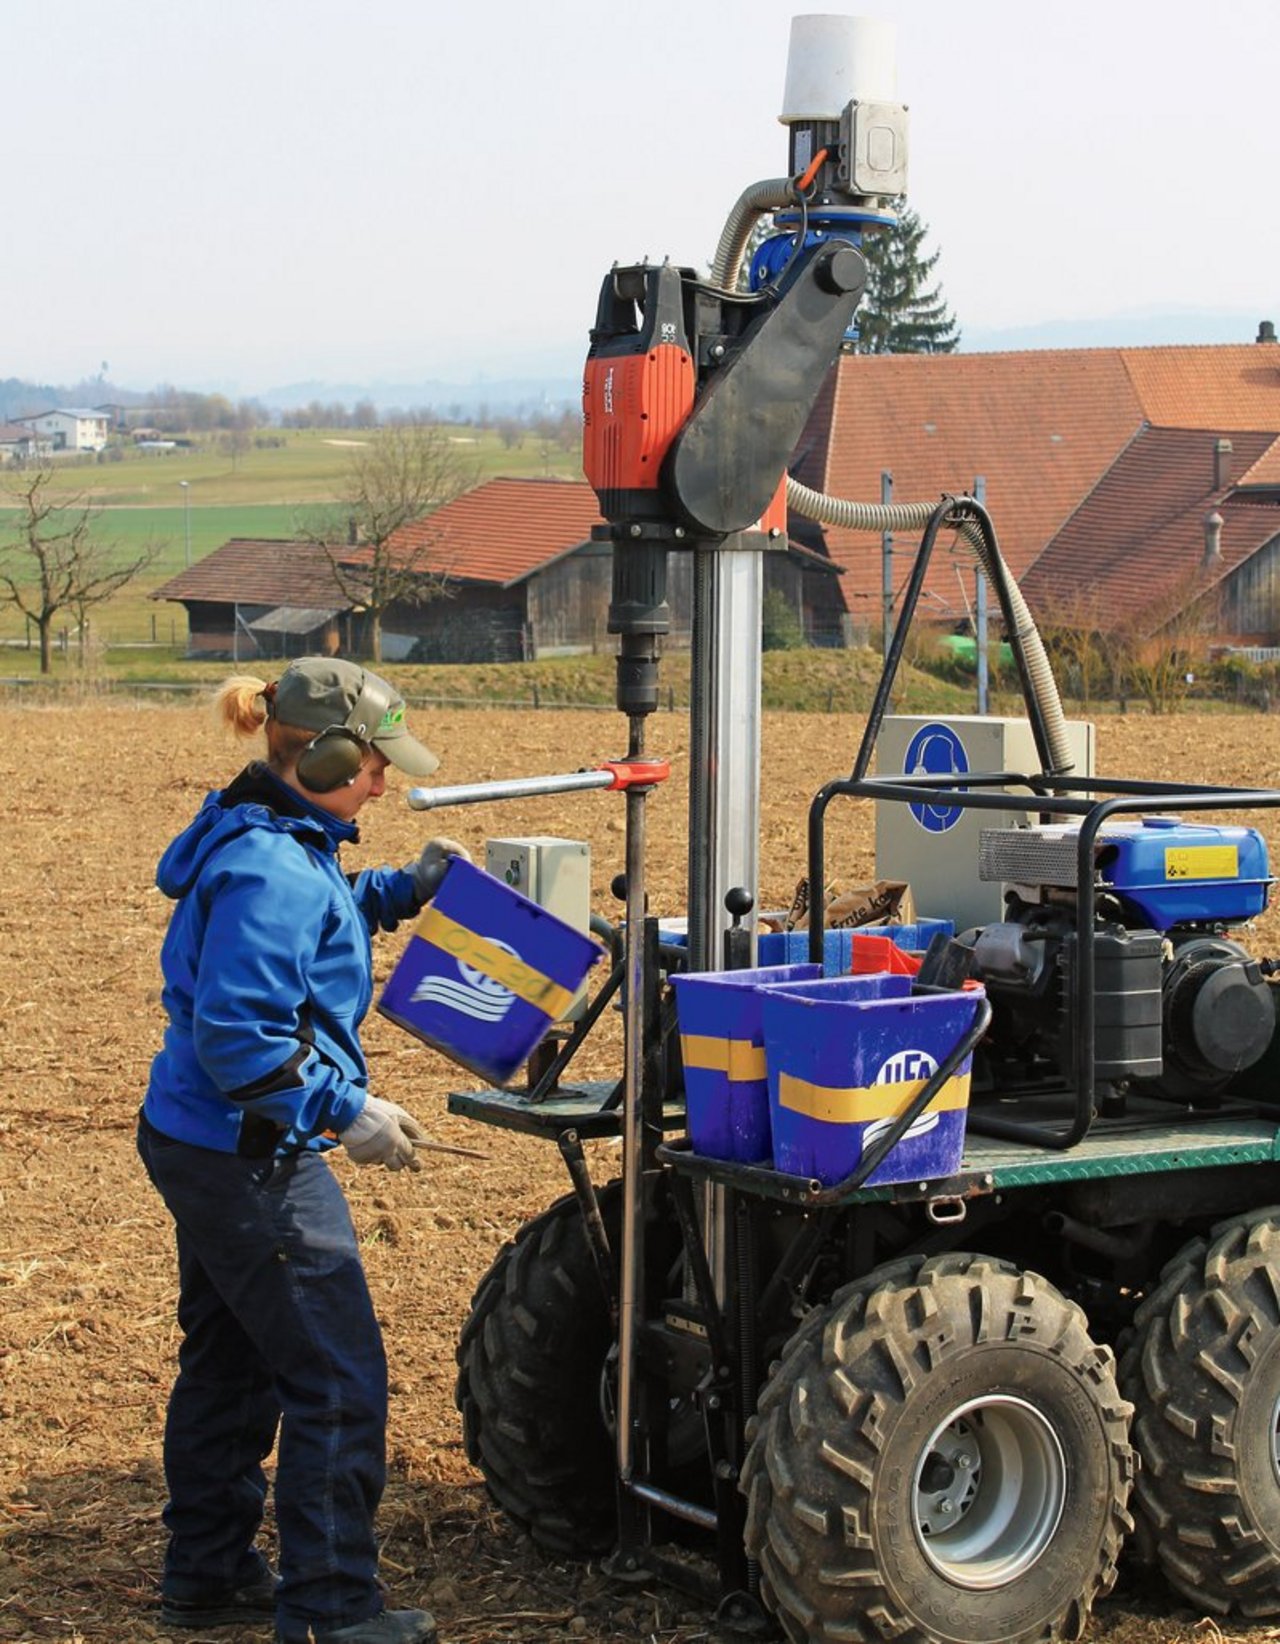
426 871
383 1133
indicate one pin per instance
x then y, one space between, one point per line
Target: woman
268 975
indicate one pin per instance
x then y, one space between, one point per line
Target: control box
935 847
554 873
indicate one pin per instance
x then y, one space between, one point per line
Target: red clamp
636 773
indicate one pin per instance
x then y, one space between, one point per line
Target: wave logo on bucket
935 750
904 1067
475 995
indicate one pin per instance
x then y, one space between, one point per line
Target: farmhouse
1044 431
511 572
525 580
71 429
1185 525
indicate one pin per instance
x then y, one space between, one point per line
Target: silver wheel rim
1275 1440
988 1492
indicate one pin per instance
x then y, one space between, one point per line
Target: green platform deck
1153 1138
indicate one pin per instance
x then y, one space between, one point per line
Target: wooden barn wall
477 623
1250 609
569 601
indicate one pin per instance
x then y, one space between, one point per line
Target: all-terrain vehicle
868 1401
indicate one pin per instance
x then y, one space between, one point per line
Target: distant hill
1140 328
514 396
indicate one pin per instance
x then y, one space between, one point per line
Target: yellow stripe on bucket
738 1058
860 1104
470 948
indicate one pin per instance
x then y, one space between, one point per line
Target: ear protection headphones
334 758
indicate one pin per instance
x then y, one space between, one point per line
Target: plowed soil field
89 796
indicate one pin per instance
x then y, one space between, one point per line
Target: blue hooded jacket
268 973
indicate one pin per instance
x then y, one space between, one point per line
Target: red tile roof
1266 471
503 530
1041 428
1136 543
257 571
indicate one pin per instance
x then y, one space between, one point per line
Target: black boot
223 1606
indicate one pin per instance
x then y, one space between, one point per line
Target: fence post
980 616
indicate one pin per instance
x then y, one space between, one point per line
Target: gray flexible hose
914 516
752 204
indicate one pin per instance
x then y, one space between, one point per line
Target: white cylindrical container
832 60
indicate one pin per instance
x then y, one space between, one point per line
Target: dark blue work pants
278 1330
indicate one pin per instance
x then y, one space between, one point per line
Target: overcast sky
252 192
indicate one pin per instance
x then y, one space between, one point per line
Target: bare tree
1072 627
395 482
1158 656
54 560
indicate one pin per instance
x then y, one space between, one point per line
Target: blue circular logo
936 750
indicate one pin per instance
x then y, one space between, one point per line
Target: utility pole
186 515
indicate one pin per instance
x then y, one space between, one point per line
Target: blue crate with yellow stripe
726 1093
486 973
842 1065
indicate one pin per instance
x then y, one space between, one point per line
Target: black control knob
738 903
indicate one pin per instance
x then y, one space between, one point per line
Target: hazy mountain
511 396
1140 328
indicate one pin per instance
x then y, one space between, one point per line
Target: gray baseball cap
322 693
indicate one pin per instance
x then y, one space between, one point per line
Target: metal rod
675 1505
517 787
570 1144
631 1288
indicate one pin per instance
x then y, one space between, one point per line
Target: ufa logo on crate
474 994
904 1067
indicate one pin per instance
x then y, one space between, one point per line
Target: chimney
1266 331
353 531
1212 541
1222 450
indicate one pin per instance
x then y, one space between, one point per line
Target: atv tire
940 1455
531 1361
1202 1369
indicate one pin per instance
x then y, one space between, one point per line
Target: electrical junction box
935 847
554 873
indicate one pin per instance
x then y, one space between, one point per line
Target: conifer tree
901 313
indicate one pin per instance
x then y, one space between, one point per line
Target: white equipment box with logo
554 873
934 847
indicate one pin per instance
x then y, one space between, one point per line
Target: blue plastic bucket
842 1067
486 973
721 1041
789 947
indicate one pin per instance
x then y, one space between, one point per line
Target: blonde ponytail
240 702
